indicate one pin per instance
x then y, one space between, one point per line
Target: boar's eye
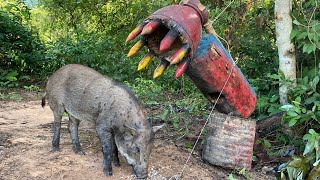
128 136
137 150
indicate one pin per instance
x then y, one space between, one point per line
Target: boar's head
135 145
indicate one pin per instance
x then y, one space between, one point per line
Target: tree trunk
287 59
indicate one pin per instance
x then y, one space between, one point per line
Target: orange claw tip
182 67
160 69
135 48
167 41
134 33
179 54
151 26
145 61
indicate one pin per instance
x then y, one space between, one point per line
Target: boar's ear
130 129
156 128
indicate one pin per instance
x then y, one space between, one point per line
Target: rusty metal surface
182 18
229 141
209 71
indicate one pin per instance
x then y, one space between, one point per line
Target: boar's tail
43 102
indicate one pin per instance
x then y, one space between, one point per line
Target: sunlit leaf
274 98
296 22
315 80
292 113
308 148
286 107
292 122
293 34
302 35
313 132
307 137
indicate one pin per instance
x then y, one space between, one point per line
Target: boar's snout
141 173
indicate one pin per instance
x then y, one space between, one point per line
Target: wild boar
119 118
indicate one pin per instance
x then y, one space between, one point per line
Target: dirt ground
25 143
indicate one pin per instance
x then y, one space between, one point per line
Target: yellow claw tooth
135 48
145 61
160 69
179 54
134 33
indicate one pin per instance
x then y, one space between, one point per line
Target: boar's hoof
142 177
79 151
107 171
116 163
55 149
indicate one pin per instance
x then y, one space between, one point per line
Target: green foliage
313 140
14 96
306 26
20 50
8 79
243 172
146 90
305 103
2 96
306 165
268 97
33 88
305 35
230 177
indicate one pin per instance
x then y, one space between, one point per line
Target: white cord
184 166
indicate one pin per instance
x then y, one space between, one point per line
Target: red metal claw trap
212 70
173 34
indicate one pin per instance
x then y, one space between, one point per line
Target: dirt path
25 143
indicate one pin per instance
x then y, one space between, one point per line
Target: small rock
9 141
266 169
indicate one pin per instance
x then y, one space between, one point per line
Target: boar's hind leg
73 128
105 137
116 161
57 113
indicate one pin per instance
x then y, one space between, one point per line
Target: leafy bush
304 110
306 165
306 26
146 90
8 79
20 50
305 103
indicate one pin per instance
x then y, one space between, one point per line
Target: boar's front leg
116 161
105 136
73 128
58 111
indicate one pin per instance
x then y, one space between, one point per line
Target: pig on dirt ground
120 119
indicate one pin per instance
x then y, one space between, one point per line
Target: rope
222 12
209 29
207 120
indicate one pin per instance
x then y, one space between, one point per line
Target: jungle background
37 37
